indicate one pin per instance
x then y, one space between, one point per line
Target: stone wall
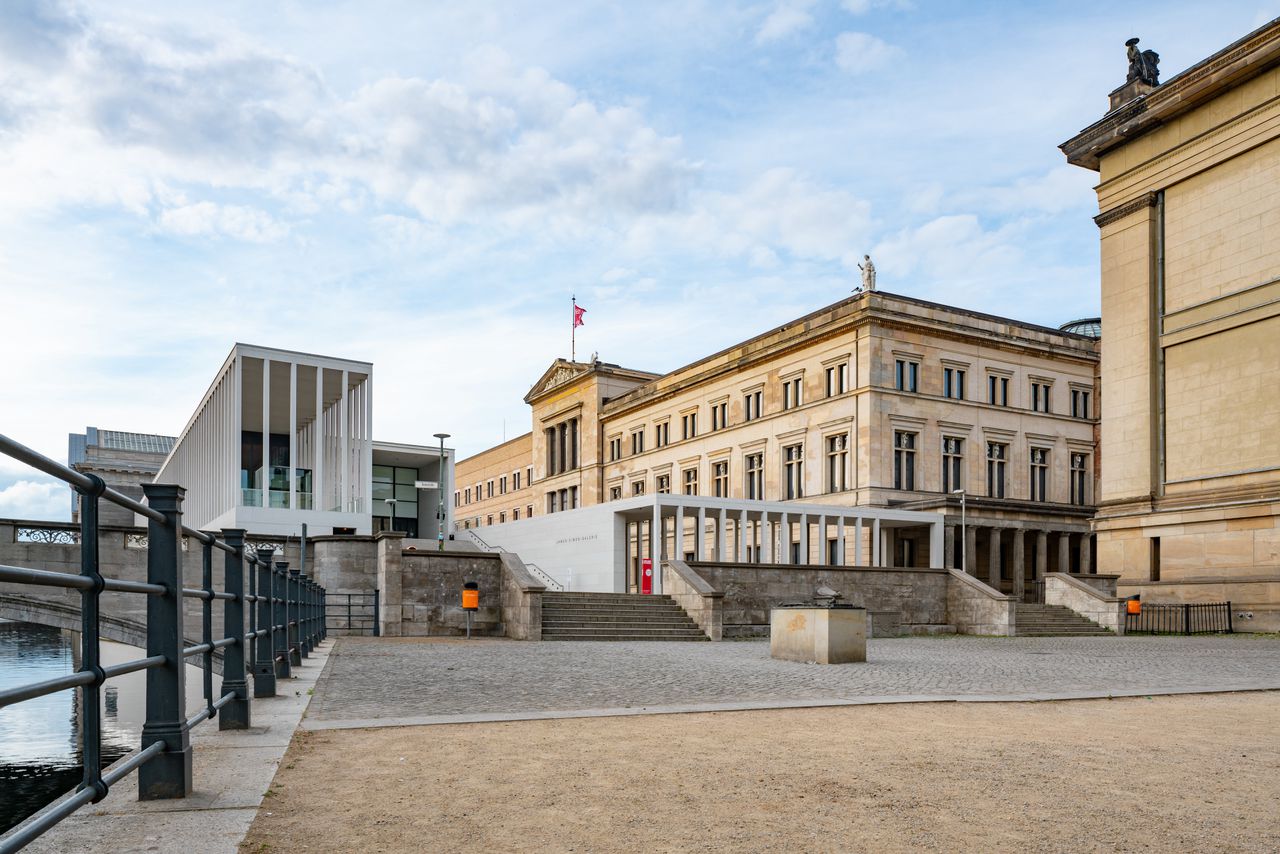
975 608
702 602
919 596
521 600
1085 599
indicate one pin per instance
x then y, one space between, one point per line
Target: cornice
1146 200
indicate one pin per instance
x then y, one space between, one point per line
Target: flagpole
573 333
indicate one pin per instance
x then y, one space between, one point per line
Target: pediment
560 373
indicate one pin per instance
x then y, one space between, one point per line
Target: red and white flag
578 311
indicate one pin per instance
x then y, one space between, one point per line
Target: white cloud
857 53
237 221
27 499
953 249
786 18
862 7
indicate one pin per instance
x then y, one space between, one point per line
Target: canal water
40 751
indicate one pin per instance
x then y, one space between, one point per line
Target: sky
427 185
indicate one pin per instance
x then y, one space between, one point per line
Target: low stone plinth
818 635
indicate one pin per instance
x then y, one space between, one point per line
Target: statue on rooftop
868 274
1143 64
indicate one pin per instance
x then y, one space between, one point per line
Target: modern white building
283 438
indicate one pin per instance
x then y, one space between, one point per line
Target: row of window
997 458
484 491
501 516
906 376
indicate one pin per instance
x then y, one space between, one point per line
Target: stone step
682 639
591 634
613 625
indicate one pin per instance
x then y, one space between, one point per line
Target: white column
822 540
678 552
655 546
721 533
238 421
344 486
742 536
317 444
875 543
366 480
293 435
857 541
936 550
701 535
266 432
784 540
840 540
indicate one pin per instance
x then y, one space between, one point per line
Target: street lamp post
440 484
391 519
964 566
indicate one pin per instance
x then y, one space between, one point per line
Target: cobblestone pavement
385 681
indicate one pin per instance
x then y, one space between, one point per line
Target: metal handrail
294 605
537 570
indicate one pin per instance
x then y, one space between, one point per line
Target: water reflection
40 750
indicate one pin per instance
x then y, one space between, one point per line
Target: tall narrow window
515 481
1040 396
690 481
662 434
904 460
952 463
953 383
637 488
793 392
689 425
837 463
997 390
1079 474
837 378
663 483
793 465
997 457
1079 403
720 479
615 448
1039 474
907 375
719 415
755 476
637 442
752 403
615 492
502 485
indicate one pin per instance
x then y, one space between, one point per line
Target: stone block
818 635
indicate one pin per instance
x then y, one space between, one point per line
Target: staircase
1049 620
615 617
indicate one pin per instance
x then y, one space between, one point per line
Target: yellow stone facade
1189 194
822 393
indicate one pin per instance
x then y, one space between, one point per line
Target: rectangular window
719 415
637 442
489 519
907 375
755 477
502 517
1079 479
515 515
689 425
467 495
528 478
502 485
615 492
953 384
457 499
1040 396
720 479
904 460
615 448
528 511
752 405
1079 403
997 390
997 457
952 463
690 481
837 463
837 379
793 392
662 434
488 489
515 481
1039 474
637 487
793 470
663 482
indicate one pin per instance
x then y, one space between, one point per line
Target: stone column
1042 554
840 550
970 548
1016 546
390 559
1086 554
993 559
949 546
698 544
804 539
1064 551
876 556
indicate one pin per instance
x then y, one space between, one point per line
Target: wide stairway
615 617
1049 620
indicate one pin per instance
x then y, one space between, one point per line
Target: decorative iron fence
284 611
352 613
1173 619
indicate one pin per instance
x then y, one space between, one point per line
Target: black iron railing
1178 619
352 613
285 622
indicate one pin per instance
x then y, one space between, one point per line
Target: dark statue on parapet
1144 65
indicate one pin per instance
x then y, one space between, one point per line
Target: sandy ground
1187 773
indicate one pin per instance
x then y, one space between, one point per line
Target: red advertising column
646 576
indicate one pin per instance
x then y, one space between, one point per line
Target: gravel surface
1185 773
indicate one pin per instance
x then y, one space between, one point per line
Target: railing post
324 608
310 642
1231 629
377 614
168 774
264 667
206 624
90 649
280 619
295 618
235 714
1186 619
